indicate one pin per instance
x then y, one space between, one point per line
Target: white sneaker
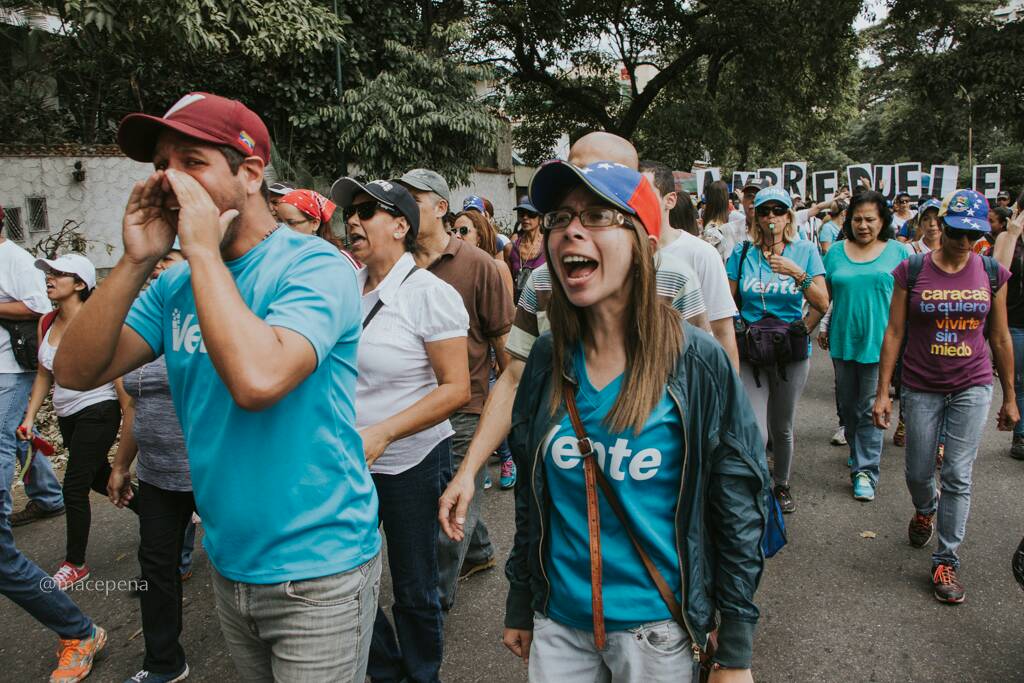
839 438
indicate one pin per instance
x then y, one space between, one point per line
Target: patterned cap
613 182
473 203
965 210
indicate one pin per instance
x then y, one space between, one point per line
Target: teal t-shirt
645 471
782 297
829 232
284 493
861 294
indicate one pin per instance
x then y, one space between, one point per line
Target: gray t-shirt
162 459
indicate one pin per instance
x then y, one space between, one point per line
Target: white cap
74 264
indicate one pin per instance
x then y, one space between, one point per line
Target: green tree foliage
939 67
400 74
740 82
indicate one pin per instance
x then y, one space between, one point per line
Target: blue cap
773 194
613 182
525 205
965 210
930 203
473 202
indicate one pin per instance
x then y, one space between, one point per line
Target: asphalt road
836 606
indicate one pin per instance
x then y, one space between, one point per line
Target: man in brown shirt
475 276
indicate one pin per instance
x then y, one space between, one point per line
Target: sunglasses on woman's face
366 210
957 234
463 231
774 210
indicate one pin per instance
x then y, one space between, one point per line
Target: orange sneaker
75 657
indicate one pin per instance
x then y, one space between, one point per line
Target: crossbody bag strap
380 304
586 449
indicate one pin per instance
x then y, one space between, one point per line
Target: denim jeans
41 484
856 384
408 510
1017 335
164 517
475 547
658 652
960 418
20 579
305 631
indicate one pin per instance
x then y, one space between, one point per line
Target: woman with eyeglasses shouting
413 374
859 277
643 491
88 420
945 303
770 277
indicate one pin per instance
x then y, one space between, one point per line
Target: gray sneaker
1017 449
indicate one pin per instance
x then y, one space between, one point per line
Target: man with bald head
677 282
602 146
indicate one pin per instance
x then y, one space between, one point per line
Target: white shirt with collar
20 280
394 369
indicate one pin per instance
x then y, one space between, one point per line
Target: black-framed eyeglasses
774 210
592 218
957 234
366 210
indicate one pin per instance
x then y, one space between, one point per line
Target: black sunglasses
775 210
460 231
366 210
958 234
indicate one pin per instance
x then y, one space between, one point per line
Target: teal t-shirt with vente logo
284 492
645 471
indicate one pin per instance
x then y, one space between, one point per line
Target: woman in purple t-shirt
947 302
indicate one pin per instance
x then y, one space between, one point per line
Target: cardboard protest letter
857 172
884 182
825 184
986 179
943 179
706 176
773 175
741 178
908 178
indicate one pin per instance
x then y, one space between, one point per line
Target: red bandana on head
311 203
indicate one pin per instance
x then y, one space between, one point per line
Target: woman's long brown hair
484 230
654 339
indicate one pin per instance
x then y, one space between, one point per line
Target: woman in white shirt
413 374
88 420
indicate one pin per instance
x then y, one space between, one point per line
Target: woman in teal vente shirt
859 277
770 277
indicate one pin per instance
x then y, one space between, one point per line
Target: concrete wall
97 203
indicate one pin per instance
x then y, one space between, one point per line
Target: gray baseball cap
425 180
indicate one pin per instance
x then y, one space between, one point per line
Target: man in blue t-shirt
260 329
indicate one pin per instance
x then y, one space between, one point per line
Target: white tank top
67 401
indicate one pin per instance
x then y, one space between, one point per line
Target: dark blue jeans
408 511
20 579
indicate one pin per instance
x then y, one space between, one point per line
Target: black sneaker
34 512
470 568
946 585
785 499
921 529
1017 449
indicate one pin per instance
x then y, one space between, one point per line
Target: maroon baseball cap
200 115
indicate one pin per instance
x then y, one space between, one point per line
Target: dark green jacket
720 512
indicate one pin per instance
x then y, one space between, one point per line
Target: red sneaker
68 575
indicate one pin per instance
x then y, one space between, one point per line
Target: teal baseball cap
773 194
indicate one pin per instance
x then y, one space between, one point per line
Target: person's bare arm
500 354
1002 351
450 361
1006 242
701 320
724 331
495 423
119 483
891 344
16 310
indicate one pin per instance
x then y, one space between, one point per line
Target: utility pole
970 131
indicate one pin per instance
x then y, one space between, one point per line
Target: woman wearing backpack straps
946 302
606 592
770 277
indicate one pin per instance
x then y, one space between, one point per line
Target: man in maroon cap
259 329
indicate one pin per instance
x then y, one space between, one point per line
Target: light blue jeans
41 484
960 417
1017 335
856 384
301 631
658 652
